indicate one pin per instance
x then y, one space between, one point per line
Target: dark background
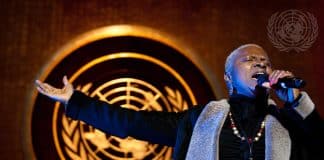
32 31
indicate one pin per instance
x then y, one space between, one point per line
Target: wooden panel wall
31 31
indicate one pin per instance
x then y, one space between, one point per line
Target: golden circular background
102 33
113 56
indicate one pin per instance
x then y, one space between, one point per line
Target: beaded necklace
249 140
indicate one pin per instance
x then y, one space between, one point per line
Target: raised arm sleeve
156 127
304 121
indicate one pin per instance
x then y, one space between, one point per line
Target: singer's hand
288 94
62 95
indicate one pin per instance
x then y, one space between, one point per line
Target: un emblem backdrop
131 67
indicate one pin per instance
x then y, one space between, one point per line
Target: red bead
249 140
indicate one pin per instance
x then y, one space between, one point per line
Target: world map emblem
292 30
127 70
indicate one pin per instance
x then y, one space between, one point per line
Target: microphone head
261 78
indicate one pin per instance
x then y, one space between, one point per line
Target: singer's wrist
295 102
291 95
296 93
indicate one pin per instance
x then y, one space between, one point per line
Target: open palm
58 94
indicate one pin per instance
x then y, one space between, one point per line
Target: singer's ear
227 77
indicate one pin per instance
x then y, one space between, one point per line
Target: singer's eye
248 59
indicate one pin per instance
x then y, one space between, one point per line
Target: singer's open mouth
257 74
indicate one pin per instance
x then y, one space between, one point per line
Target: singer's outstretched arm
156 127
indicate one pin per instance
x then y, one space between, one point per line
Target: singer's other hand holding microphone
285 94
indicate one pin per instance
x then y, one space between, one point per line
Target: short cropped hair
230 57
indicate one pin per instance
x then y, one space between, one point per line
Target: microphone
285 82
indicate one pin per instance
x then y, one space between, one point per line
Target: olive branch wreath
71 135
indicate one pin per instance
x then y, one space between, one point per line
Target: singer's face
247 63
